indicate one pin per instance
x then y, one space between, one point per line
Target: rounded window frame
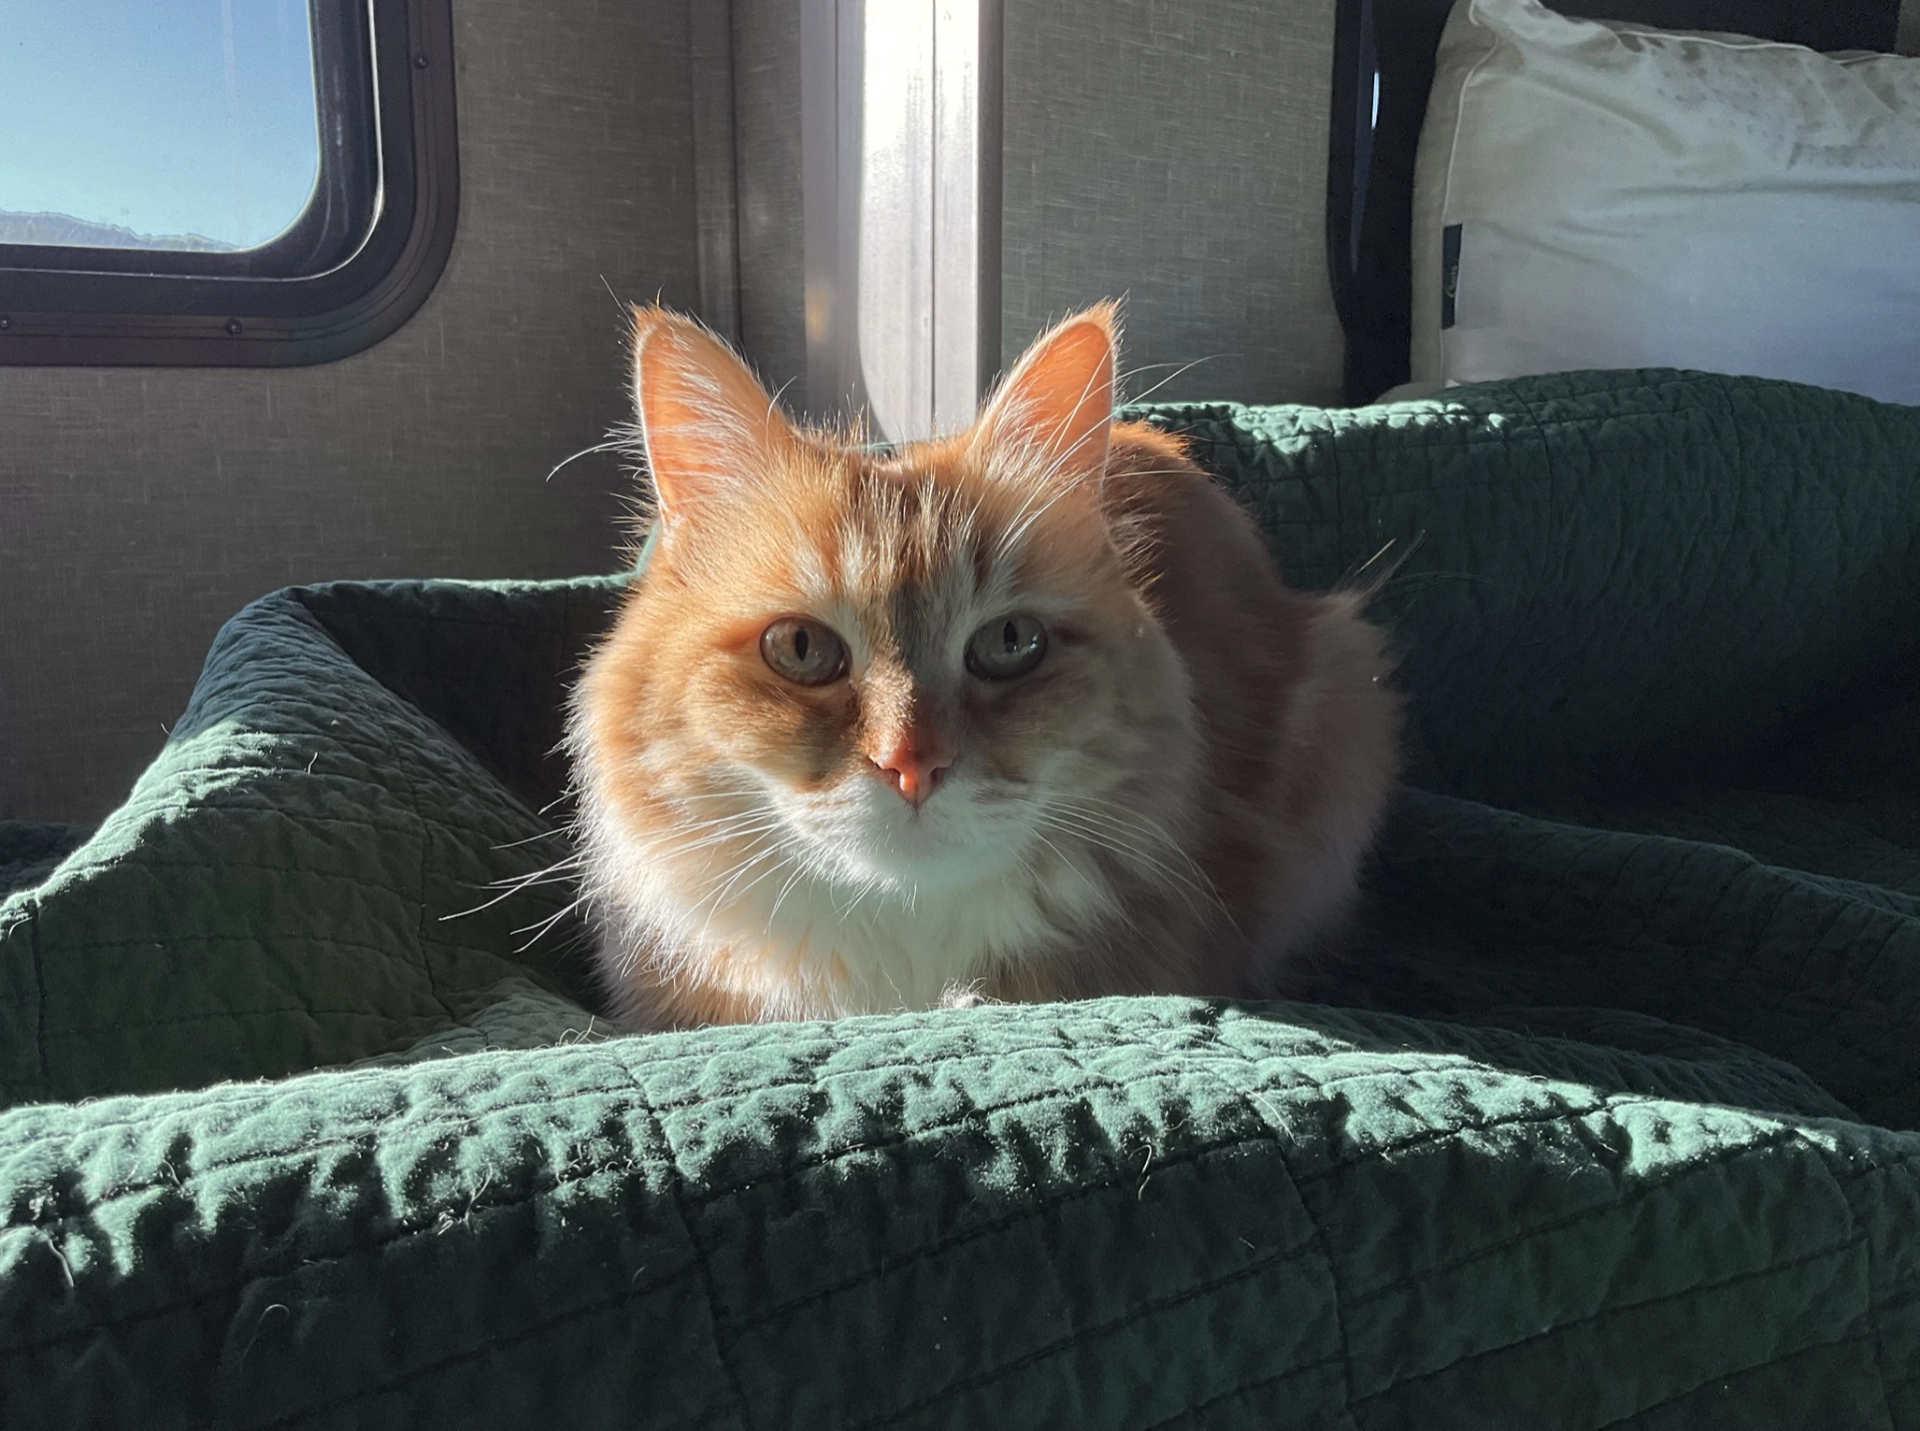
359 261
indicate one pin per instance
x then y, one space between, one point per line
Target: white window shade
901 176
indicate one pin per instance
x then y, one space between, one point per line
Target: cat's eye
1006 647
804 651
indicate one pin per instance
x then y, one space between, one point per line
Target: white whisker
1176 373
516 844
613 446
518 884
546 924
1126 841
799 873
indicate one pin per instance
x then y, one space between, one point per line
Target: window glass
188 125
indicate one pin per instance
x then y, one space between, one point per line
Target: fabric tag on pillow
1449 271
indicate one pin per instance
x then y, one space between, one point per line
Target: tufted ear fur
1057 403
706 421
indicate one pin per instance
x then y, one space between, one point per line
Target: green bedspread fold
1606 1119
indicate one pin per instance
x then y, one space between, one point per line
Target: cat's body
1173 795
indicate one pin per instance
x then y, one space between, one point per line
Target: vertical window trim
926 220
402 214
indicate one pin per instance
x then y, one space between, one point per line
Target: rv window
221 182
188 131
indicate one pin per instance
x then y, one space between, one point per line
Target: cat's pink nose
913 767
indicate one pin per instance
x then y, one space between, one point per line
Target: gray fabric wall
766 97
140 508
1176 152
1121 117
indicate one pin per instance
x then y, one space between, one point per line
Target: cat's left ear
706 422
1056 406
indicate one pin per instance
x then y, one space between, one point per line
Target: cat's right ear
706 422
1056 406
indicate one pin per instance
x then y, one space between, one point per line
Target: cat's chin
948 845
933 871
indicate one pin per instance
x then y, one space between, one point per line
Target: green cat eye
1005 647
803 651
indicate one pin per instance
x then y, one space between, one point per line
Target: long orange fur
1177 799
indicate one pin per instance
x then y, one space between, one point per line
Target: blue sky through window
168 118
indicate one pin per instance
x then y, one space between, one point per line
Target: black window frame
358 262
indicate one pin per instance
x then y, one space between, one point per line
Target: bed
1608 1118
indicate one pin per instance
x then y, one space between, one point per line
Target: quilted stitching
1607 1132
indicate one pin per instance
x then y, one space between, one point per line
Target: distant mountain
69 232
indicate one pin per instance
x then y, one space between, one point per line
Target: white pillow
1605 195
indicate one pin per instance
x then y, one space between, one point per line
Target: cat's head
911 671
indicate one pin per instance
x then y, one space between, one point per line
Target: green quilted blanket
1608 1120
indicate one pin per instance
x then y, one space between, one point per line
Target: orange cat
1023 713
